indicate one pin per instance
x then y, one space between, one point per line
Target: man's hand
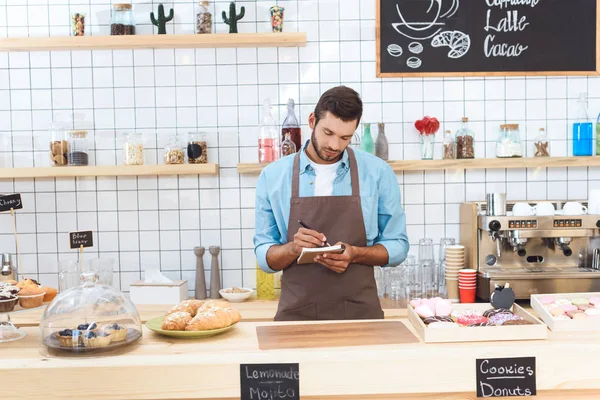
307 238
337 262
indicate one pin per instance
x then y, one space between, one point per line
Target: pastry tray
52 343
537 330
589 324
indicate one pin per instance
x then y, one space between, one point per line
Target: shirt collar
305 161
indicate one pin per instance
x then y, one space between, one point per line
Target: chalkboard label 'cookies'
270 381
505 377
81 239
11 201
486 37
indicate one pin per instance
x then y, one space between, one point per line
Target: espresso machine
535 254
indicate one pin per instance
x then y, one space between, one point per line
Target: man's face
330 136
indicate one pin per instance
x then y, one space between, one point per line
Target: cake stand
8 331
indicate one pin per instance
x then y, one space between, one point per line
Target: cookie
431 320
456 314
499 319
479 324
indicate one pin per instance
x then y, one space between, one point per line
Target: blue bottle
583 129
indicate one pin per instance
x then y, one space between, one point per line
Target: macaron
426 312
557 311
594 300
584 307
573 312
551 306
562 302
569 307
579 301
561 317
593 312
580 316
547 300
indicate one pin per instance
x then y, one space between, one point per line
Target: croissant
181 307
211 319
195 304
209 304
234 314
176 321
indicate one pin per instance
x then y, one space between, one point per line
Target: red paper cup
467 295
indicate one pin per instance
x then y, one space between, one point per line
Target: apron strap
296 176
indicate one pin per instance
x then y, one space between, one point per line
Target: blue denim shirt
385 221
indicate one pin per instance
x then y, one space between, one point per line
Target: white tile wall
156 221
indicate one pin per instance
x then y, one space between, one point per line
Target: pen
302 224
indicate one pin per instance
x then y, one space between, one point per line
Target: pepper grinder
215 275
200 280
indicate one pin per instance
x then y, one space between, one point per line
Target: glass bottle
173 152
78 148
268 137
122 22
448 146
133 149
582 129
465 141
59 147
366 143
542 145
203 18
291 126
381 144
196 148
287 147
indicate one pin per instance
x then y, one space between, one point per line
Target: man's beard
321 152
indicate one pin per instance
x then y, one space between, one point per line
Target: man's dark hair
343 102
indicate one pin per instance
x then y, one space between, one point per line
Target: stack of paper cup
455 261
467 285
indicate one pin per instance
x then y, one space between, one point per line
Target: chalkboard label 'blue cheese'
11 201
506 377
270 381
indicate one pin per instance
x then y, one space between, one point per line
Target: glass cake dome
89 319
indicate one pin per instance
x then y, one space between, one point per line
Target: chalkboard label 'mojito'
270 381
506 377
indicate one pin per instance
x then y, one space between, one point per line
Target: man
345 197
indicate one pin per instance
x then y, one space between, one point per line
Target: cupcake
8 301
10 289
69 338
50 293
117 332
31 297
96 339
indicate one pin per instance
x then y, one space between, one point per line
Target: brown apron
313 292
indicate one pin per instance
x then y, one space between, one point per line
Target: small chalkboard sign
270 381
506 377
10 201
81 239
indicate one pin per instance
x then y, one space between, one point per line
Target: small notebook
308 255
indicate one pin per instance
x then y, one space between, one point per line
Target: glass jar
465 141
122 22
287 147
541 144
448 146
173 152
59 146
78 148
196 148
203 18
78 24
133 149
509 142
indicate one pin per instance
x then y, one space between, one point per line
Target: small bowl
236 297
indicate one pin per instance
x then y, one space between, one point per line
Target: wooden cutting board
333 335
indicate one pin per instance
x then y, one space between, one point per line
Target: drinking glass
379 280
425 250
413 282
103 267
69 274
445 242
428 278
396 289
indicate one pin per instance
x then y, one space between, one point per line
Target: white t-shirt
326 174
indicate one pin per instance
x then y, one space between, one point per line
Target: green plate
154 324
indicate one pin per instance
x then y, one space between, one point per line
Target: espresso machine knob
598 223
495 225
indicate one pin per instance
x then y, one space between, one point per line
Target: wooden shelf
478 163
283 39
109 170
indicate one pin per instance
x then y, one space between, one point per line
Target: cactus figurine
161 22
233 17
215 273
200 280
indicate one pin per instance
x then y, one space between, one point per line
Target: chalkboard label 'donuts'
270 381
81 239
11 201
506 377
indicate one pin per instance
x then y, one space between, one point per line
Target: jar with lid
542 145
196 148
122 22
203 18
173 152
59 146
509 142
448 152
78 148
133 149
465 141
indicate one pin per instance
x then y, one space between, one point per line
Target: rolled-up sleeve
391 219
266 233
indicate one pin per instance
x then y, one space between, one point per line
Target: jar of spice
122 22
465 141
448 146
173 152
203 18
133 149
509 142
196 148
59 146
542 145
78 148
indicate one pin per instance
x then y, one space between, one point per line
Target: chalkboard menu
506 377
269 381
486 37
81 239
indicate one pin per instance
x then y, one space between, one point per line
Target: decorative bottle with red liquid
291 126
268 136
